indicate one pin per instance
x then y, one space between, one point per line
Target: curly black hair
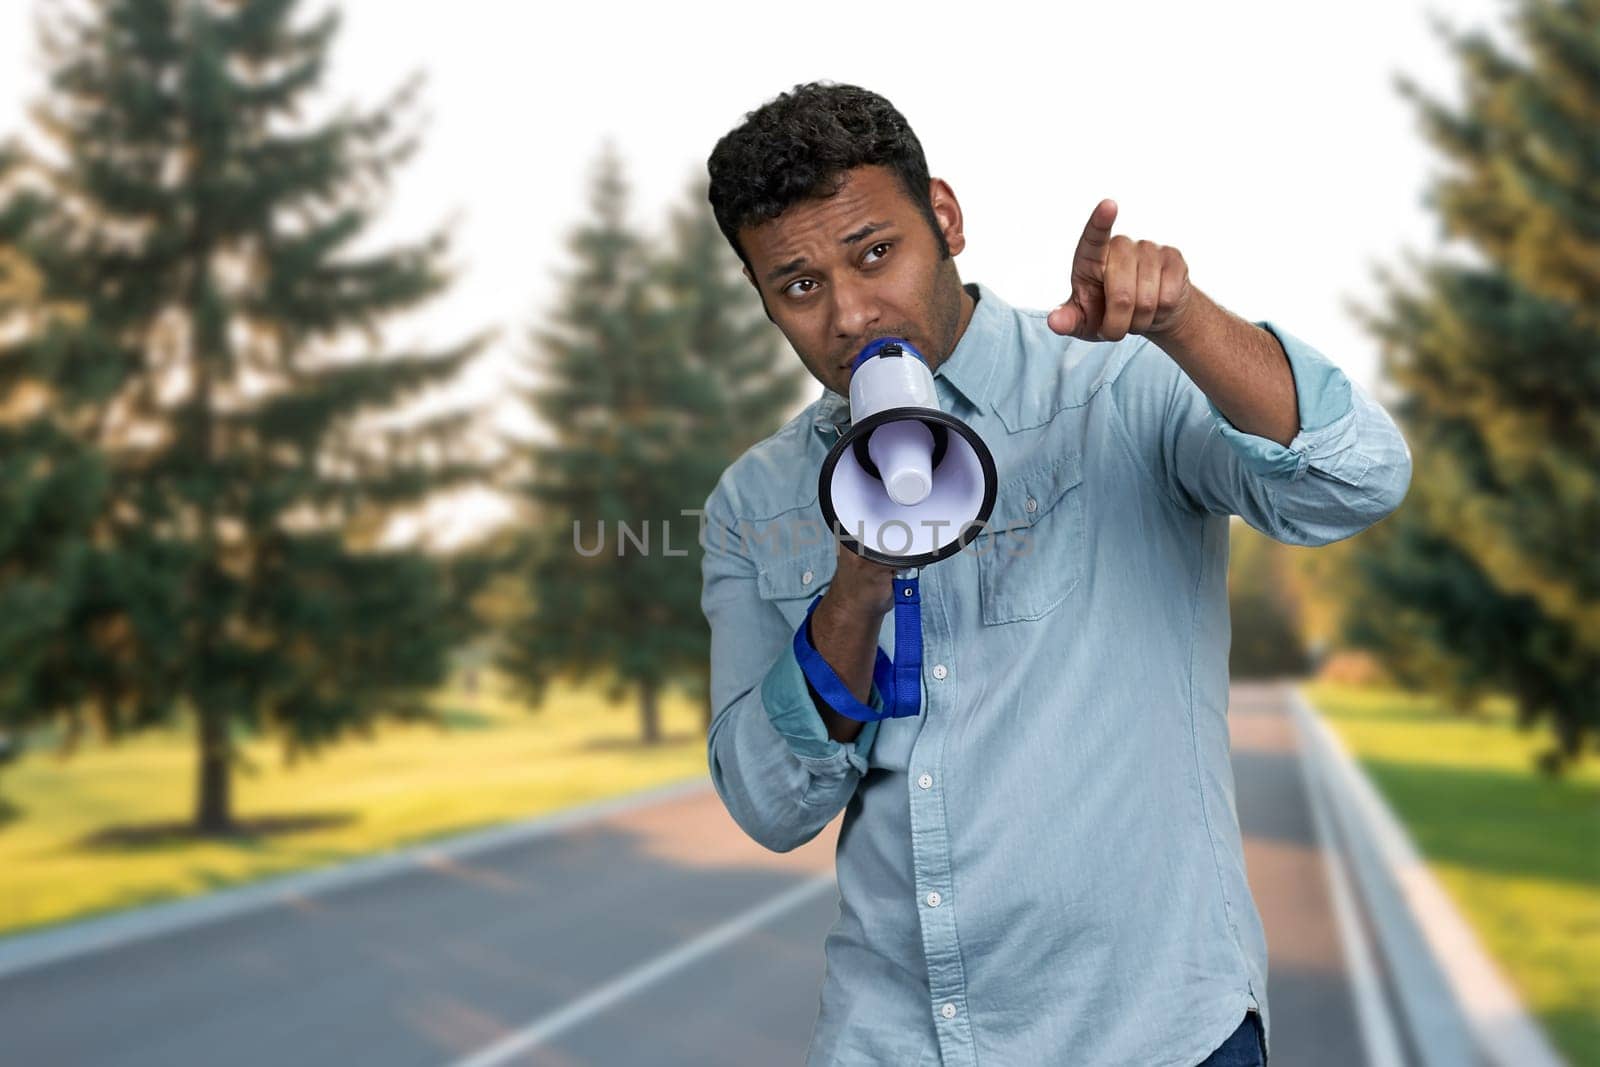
799 145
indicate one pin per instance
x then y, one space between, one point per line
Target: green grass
101 830
1518 852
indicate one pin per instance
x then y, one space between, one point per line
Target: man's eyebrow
784 268
862 234
848 239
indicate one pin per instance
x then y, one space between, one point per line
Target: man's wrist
1199 318
845 634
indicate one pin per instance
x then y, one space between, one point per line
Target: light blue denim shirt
1045 865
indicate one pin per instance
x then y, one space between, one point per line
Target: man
1045 865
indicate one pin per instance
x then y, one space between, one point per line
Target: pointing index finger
1097 232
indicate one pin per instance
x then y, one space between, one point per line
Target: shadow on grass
1507 823
633 744
465 720
247 832
8 812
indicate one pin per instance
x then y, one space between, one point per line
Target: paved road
658 935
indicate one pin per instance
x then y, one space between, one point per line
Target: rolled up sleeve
780 775
1346 467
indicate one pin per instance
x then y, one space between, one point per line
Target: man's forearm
848 641
1239 366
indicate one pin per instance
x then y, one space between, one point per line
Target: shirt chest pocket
790 582
1032 558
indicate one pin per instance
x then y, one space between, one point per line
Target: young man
1045 865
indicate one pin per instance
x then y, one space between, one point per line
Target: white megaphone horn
908 484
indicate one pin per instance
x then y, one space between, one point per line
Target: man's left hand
1121 286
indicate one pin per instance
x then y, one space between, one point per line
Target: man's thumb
1066 318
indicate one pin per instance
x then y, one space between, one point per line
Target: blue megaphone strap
879 345
899 681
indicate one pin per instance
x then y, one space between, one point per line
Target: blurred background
361 363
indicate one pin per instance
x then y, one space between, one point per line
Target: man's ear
948 211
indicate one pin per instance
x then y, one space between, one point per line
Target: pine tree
744 373
203 225
51 485
1487 579
652 377
738 372
593 613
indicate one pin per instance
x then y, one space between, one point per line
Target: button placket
930 847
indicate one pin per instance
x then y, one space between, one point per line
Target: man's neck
968 306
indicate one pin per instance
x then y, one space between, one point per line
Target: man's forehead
869 197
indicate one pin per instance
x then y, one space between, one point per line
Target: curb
1454 1001
26 951
1380 1034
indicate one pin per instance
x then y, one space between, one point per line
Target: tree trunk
650 713
214 807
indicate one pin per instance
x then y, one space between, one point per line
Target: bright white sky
1263 139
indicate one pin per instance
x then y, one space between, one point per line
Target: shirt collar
969 369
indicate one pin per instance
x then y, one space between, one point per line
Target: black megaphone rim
974 526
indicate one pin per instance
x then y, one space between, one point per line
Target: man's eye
790 289
880 249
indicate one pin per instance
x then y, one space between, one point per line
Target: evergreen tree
203 225
593 609
744 375
51 485
739 373
71 602
1487 579
653 376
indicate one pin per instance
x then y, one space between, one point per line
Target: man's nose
855 310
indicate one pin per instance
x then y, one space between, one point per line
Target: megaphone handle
899 681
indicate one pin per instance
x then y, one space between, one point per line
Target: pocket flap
803 574
1024 499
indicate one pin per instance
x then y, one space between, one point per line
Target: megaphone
908 484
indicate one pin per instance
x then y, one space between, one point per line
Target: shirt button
933 900
940 671
805 579
948 1011
1032 505
925 781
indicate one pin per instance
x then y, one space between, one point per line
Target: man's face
840 272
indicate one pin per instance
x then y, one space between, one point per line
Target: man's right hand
844 630
861 586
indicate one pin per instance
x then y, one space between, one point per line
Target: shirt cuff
787 698
1326 412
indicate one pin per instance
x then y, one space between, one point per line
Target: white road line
625 985
1379 1038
